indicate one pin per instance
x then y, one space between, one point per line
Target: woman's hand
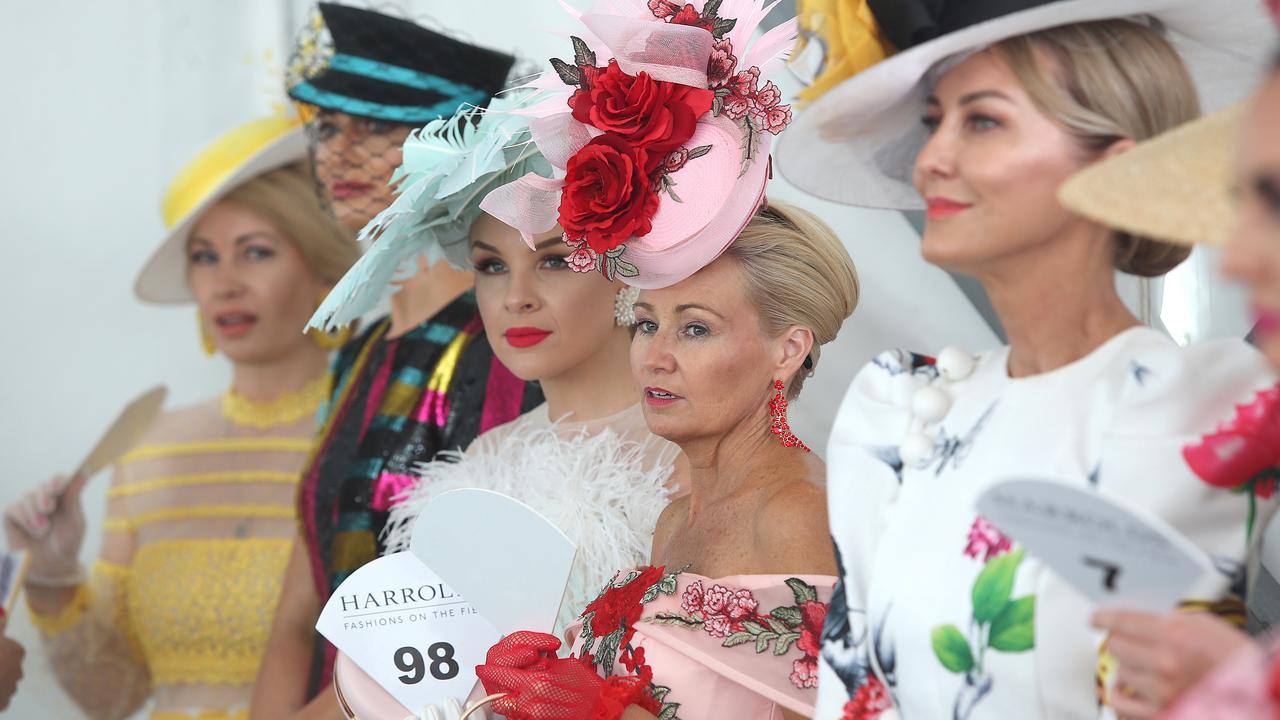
48 523
1160 656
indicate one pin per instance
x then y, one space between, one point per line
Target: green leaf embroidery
994 586
677 619
784 642
753 627
738 638
790 615
762 641
699 151
582 54
669 711
660 692
568 73
952 649
777 625
723 27
803 591
1014 629
668 584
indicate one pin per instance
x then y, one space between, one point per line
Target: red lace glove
540 686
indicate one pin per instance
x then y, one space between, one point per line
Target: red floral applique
868 702
612 185
734 615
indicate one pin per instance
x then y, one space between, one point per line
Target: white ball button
916 451
955 364
930 404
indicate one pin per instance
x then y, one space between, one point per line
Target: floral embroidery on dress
729 614
1000 622
734 615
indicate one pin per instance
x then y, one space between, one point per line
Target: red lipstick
344 189
940 207
523 337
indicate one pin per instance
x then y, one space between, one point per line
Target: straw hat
1175 187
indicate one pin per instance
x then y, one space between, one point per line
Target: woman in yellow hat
200 515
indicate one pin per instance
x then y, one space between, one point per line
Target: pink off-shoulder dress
742 647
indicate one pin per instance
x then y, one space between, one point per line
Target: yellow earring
206 341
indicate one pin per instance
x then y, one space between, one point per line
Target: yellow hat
1175 187
235 158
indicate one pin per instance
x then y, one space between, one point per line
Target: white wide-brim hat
244 153
857 143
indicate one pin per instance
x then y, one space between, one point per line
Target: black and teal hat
376 66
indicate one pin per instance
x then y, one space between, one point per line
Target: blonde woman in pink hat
662 121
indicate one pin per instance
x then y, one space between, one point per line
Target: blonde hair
798 273
1107 81
287 198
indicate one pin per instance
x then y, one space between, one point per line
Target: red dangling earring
778 419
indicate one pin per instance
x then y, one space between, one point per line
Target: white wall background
105 101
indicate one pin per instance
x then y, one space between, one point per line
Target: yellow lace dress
200 521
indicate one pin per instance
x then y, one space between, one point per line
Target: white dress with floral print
939 614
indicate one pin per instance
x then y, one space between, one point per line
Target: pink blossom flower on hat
720 66
582 260
663 9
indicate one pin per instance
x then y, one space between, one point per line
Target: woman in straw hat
1186 197
201 514
984 110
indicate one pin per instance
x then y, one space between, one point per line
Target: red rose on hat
660 116
608 196
687 15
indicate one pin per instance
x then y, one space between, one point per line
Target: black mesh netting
354 159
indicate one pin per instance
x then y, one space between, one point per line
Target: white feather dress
602 482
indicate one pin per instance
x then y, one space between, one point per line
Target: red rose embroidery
777 119
675 161
688 16
581 260
723 61
692 599
608 196
804 673
765 99
663 9
810 642
659 116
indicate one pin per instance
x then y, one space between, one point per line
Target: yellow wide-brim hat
246 152
1175 187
